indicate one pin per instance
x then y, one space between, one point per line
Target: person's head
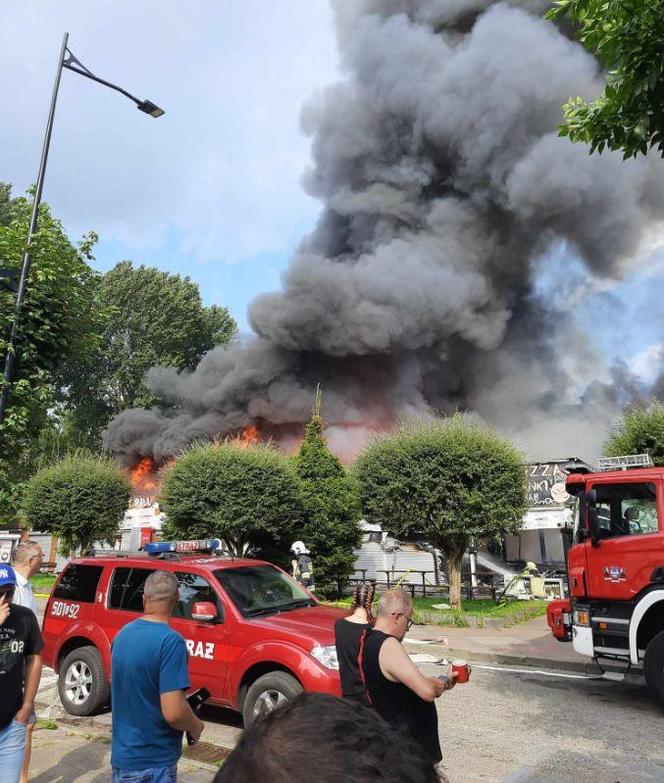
395 613
7 582
160 594
319 737
363 596
298 548
27 558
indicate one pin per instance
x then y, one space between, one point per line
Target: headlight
327 656
582 617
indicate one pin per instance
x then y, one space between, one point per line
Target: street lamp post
66 60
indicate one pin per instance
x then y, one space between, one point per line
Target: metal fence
424 587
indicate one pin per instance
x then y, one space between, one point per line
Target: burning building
143 518
446 194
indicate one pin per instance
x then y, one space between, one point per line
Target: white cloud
647 364
221 169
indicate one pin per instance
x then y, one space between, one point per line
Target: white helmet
298 548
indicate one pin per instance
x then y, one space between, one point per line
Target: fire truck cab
616 566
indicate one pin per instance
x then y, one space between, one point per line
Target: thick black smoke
443 185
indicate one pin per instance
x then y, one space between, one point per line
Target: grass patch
474 612
42 583
47 724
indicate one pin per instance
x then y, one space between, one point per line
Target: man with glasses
398 691
20 670
26 561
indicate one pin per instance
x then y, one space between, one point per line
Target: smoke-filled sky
463 256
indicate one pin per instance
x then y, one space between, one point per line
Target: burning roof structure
445 191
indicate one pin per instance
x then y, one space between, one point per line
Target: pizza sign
546 485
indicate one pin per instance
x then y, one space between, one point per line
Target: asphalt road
512 727
509 726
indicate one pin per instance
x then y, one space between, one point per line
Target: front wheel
82 682
653 665
268 693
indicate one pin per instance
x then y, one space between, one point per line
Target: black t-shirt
400 706
19 637
347 637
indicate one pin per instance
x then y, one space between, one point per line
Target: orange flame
143 476
248 437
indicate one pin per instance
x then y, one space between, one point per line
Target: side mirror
204 611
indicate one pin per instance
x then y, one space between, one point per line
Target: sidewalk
69 755
527 644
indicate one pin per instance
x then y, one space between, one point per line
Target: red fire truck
615 567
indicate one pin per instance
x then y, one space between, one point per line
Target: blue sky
212 189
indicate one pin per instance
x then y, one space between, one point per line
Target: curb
530 661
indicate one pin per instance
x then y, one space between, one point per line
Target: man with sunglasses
20 670
398 691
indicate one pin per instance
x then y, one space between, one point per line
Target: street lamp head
150 108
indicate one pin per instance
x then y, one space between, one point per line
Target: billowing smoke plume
444 188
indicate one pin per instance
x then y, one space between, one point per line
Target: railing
424 587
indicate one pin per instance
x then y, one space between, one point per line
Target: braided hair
363 597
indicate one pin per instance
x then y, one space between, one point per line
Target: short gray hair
23 551
394 601
161 586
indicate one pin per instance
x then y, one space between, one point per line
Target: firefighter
303 569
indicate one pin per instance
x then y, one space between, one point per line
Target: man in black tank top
398 691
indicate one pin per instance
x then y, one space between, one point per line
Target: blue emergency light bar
183 547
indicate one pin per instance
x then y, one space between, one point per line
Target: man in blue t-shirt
148 682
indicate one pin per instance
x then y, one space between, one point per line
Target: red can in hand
462 670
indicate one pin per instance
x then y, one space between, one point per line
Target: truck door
207 641
628 545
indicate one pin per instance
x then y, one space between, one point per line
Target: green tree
59 320
156 318
641 431
80 499
449 480
331 508
248 497
5 203
626 36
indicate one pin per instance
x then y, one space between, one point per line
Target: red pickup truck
255 637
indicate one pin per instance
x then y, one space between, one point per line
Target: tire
82 683
268 693
653 666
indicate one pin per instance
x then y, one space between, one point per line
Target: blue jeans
152 775
12 750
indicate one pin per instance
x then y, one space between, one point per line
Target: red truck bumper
559 618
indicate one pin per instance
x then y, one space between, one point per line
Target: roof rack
625 462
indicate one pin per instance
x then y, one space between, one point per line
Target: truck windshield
626 509
261 590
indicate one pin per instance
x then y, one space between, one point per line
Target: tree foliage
626 35
247 496
331 508
641 431
155 318
449 480
81 499
58 321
